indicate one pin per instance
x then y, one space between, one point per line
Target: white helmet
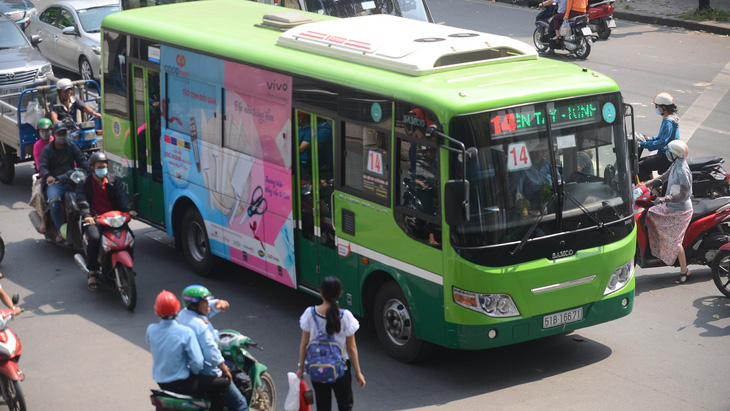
664 99
678 148
64 84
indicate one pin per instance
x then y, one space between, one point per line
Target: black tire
2 249
537 39
195 244
264 398
718 192
721 272
13 394
85 70
603 31
7 167
583 49
128 287
394 326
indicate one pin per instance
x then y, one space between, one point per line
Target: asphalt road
83 351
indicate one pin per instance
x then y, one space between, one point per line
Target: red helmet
166 304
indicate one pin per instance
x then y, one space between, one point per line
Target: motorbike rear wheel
127 286
537 39
603 30
2 249
583 49
721 272
13 394
264 398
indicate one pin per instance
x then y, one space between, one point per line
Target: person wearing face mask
57 159
669 131
96 196
45 137
668 221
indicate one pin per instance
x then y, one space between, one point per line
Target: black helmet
96 157
59 127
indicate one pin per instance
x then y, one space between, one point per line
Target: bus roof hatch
403 45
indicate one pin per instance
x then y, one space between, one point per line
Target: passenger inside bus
535 184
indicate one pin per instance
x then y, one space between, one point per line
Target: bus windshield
551 168
349 8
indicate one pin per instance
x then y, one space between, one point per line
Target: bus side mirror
456 202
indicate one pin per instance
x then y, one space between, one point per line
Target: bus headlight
492 305
620 277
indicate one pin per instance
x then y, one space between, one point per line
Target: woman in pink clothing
36 199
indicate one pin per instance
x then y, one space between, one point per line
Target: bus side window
115 75
366 161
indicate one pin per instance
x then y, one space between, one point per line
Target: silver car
71 33
18 10
21 65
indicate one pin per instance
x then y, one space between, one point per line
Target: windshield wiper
587 212
534 225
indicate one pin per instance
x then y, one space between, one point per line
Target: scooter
10 373
600 14
578 42
709 179
71 232
115 255
706 235
249 376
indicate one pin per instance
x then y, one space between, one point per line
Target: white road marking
707 101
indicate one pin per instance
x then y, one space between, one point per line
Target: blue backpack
324 362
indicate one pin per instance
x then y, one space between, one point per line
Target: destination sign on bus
529 119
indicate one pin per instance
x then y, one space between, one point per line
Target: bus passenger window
115 74
367 161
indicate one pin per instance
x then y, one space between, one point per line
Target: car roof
84 4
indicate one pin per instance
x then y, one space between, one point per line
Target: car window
49 16
65 20
10 35
91 18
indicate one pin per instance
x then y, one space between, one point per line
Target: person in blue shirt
536 182
324 145
176 354
200 306
669 131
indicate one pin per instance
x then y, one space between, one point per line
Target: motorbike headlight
492 305
116 221
620 277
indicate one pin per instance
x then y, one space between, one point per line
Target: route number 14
517 157
375 162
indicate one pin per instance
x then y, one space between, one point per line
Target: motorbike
709 179
578 42
115 257
71 233
10 373
249 376
707 234
84 134
2 249
600 15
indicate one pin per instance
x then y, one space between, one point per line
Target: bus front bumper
478 337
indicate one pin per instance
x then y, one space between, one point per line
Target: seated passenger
66 108
37 200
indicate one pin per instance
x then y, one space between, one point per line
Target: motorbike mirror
15 298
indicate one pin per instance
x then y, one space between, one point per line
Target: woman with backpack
340 326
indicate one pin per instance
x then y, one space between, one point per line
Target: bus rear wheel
196 245
394 325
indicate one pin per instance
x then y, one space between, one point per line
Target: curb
644 18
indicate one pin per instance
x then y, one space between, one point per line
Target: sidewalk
663 12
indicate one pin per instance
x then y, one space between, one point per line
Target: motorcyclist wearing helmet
176 354
669 131
200 307
57 159
98 195
66 108
45 136
668 221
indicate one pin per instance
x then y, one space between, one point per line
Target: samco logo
564 253
180 60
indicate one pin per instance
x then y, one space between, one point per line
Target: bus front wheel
196 245
394 325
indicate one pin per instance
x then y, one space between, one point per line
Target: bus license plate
565 317
586 31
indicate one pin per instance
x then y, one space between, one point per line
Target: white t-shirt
348 326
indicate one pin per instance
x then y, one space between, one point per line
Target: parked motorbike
249 376
709 179
10 373
72 232
721 270
578 42
707 234
600 14
115 255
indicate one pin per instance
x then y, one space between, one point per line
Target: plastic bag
565 29
292 397
33 113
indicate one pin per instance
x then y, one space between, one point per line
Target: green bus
468 193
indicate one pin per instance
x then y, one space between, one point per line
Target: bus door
146 130
316 237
